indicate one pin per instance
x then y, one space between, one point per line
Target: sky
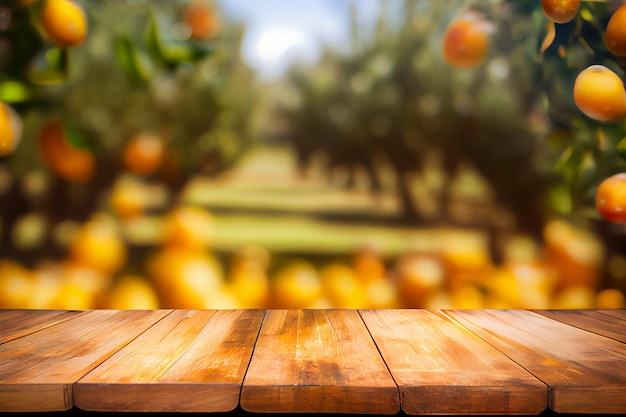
281 31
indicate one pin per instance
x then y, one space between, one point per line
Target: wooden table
314 361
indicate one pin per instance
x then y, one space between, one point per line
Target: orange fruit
560 11
144 153
599 93
297 285
68 162
98 245
188 227
419 276
611 198
10 129
132 292
64 22
16 284
201 19
465 42
368 264
610 298
576 254
342 286
574 298
186 279
381 293
128 198
615 35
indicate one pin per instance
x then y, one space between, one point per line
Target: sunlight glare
275 42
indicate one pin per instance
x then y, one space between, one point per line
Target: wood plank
585 372
317 361
615 313
595 321
442 368
17 323
191 361
37 371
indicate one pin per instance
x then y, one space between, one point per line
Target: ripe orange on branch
599 93
560 11
615 35
64 22
466 41
70 163
10 129
611 198
201 19
144 153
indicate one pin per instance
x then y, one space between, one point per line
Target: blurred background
303 154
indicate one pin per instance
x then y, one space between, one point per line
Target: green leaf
620 149
560 199
154 43
50 67
133 64
173 54
14 92
75 139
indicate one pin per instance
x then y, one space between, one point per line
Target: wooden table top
314 361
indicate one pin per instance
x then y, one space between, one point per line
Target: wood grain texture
38 370
17 323
591 320
442 368
617 313
317 361
191 361
585 372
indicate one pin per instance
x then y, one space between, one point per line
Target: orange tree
152 92
584 67
405 94
499 85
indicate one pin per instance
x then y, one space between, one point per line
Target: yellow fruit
188 228
10 129
576 255
64 21
467 297
419 276
465 262
296 285
342 286
575 298
16 284
128 198
72 297
610 298
249 283
368 264
131 292
185 279
99 245
381 293
599 94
